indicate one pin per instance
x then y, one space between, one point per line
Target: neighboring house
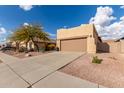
41 44
83 38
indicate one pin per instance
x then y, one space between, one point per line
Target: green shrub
96 60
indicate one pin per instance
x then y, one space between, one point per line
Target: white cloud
122 6
3 33
105 25
25 24
2 30
122 18
51 34
117 28
26 7
103 16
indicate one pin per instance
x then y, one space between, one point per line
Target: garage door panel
74 45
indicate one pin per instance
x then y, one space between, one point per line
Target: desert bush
50 47
96 60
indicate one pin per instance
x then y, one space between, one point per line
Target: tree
15 37
30 33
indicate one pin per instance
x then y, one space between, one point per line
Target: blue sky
109 20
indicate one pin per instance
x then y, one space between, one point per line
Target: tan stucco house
41 44
83 38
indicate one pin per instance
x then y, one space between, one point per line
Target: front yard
25 55
109 73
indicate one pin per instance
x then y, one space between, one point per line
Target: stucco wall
58 43
102 47
91 45
82 30
110 46
122 46
114 47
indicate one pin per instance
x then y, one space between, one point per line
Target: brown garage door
74 45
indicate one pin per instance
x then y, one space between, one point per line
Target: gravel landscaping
109 73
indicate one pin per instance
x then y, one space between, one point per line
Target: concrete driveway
32 70
9 79
7 59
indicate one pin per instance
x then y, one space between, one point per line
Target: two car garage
75 44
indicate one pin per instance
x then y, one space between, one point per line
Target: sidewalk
8 78
62 80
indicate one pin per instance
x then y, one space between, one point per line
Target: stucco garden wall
110 46
122 46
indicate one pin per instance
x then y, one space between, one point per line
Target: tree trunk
45 45
17 46
35 44
27 45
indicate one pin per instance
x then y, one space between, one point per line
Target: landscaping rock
28 55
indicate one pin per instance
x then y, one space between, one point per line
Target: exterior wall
122 46
76 32
95 35
21 44
30 45
41 44
114 47
110 46
83 30
91 45
13 44
103 47
58 43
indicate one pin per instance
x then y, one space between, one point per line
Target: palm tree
30 33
